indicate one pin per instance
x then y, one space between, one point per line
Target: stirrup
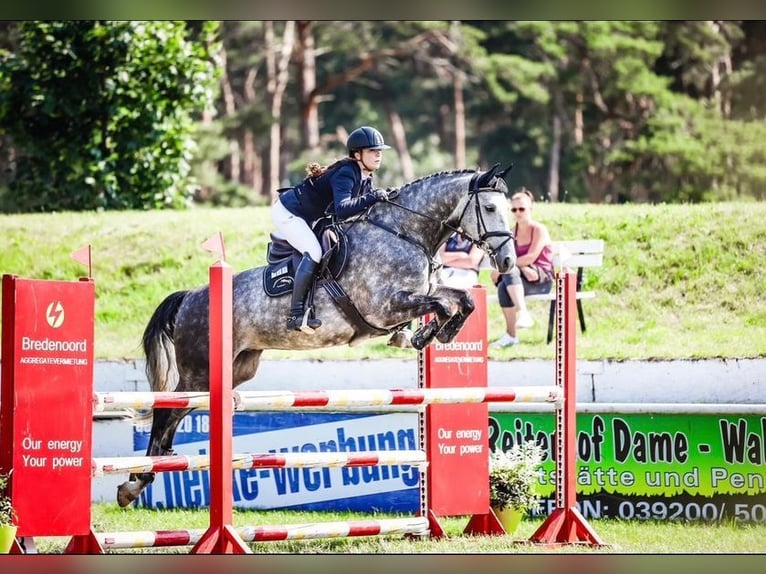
307 324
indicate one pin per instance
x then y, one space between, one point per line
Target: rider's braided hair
315 169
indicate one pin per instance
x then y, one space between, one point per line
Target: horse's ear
503 173
487 176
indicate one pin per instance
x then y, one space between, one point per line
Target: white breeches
296 231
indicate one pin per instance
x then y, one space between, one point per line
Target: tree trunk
277 82
252 165
555 159
457 86
722 97
252 175
306 57
579 129
597 181
399 140
231 169
457 89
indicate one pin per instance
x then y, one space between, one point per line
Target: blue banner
391 488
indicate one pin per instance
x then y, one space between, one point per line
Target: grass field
619 537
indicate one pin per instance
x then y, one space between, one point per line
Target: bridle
481 241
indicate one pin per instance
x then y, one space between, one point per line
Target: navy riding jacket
341 188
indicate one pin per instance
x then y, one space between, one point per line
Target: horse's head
483 217
474 203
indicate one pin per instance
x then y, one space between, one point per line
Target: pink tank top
544 259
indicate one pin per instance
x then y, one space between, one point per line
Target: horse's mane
435 175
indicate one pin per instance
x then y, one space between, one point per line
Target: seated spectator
533 273
460 259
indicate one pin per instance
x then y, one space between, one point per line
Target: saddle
282 259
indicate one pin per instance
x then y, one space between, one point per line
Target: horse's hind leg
164 425
245 365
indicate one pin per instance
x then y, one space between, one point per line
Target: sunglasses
521 209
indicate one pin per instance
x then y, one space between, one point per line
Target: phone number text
706 511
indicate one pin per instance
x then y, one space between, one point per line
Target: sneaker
505 341
524 320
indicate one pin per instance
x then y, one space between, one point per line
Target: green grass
631 537
678 281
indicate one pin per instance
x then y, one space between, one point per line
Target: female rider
345 188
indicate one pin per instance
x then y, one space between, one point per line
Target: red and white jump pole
330 400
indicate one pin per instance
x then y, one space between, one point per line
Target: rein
481 242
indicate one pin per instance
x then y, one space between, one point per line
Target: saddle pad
283 260
278 277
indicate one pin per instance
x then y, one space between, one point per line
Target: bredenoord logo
54 314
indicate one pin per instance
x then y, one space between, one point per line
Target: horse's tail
159 348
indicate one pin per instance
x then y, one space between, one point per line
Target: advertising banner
654 466
631 466
383 488
47 403
457 434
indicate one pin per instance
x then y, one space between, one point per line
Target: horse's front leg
164 425
465 306
423 336
442 305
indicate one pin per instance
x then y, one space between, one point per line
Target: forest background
103 115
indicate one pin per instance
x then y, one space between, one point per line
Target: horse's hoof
445 337
401 339
127 492
418 342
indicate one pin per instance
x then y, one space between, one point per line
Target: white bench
575 255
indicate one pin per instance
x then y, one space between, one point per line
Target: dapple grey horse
389 279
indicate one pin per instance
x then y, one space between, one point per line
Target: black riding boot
304 276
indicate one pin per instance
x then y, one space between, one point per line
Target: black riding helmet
364 138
